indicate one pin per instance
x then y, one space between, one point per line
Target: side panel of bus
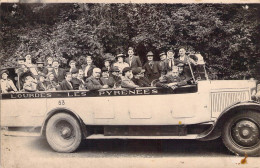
23 112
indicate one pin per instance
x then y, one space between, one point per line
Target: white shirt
7 84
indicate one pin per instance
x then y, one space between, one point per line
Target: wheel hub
246 133
66 132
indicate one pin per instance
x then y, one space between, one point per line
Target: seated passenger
126 78
80 77
7 85
48 68
30 84
59 73
152 68
72 65
51 83
105 76
171 80
138 79
94 82
120 63
114 80
66 83
88 68
75 81
41 84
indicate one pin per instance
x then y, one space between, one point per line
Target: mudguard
64 110
215 130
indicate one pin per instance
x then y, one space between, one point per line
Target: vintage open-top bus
202 110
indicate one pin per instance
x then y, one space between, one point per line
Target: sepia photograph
129 84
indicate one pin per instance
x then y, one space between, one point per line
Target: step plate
101 136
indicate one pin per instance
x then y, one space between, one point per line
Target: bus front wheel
63 133
241 133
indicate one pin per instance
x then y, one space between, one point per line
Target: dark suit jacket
154 72
93 83
136 62
58 78
90 70
65 85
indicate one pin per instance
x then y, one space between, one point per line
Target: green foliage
226 35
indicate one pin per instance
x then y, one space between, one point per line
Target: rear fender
63 110
215 131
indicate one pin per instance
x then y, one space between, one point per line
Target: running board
101 136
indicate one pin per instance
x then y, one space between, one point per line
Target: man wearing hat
152 68
138 78
7 85
126 78
120 62
41 83
114 80
75 81
59 73
163 62
20 61
132 60
40 66
105 76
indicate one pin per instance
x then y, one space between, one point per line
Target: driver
171 80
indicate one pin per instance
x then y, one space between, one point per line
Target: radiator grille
221 100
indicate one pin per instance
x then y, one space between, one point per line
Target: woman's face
120 59
51 77
4 76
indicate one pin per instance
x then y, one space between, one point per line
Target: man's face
170 54
73 65
80 75
4 76
105 74
180 69
40 65
142 74
74 75
182 52
163 57
55 64
150 58
89 60
41 78
175 73
96 73
49 61
68 77
130 52
107 64
20 62
115 73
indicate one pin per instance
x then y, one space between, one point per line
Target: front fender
215 131
63 110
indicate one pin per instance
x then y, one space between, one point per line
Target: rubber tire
76 127
228 141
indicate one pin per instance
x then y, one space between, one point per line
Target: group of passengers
125 72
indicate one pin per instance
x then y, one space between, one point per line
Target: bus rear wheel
63 133
241 133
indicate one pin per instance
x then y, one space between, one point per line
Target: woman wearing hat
7 85
121 64
51 84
